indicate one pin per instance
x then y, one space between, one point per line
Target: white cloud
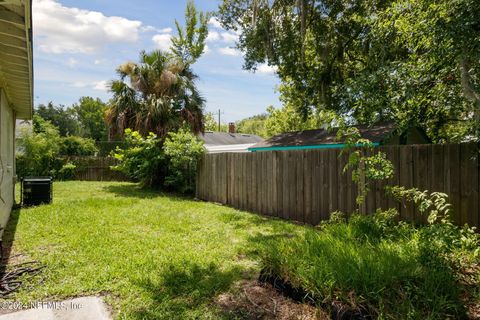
59 29
72 62
213 36
101 85
162 41
215 23
229 36
266 69
97 61
229 51
154 29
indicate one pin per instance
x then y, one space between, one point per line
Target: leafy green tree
287 119
428 74
412 61
161 95
253 125
90 113
59 116
189 44
210 123
314 44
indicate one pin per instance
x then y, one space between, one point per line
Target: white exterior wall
7 157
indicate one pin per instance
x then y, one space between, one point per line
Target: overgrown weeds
379 267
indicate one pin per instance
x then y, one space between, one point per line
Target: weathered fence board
307 185
96 169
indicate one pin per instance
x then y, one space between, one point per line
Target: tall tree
161 95
314 44
61 117
189 44
210 123
90 115
253 125
412 61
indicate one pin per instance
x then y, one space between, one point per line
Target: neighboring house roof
16 67
323 137
225 138
217 142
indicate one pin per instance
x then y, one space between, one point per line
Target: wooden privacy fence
307 185
96 169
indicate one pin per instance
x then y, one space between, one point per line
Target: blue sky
78 45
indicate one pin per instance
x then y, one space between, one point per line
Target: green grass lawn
151 255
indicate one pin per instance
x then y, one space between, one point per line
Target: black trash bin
36 191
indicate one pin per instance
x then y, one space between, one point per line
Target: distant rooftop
376 134
225 138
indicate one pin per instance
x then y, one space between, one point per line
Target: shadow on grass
9 237
129 190
185 287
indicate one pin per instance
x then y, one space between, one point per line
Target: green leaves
370 61
435 205
172 164
142 159
162 94
189 44
183 151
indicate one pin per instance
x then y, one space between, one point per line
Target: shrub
142 159
77 146
171 164
183 150
105 148
67 172
38 150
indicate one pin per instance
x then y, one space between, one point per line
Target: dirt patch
470 279
255 300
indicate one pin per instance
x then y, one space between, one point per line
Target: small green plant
365 168
67 172
434 204
183 150
442 232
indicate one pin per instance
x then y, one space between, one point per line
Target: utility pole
219 123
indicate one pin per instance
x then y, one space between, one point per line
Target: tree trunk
469 89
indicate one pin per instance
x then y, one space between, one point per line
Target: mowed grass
151 255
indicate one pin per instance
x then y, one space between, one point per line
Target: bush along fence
94 169
308 185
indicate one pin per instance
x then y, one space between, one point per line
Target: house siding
7 156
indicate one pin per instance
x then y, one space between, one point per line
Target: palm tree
159 97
